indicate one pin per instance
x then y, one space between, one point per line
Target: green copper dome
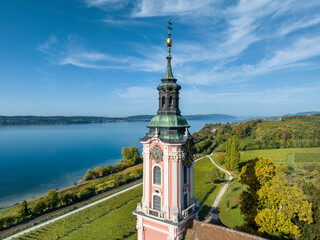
168 121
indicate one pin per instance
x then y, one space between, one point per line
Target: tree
254 175
24 210
118 180
311 231
107 170
89 175
67 198
235 153
270 204
39 207
52 199
130 155
137 173
232 154
97 172
214 175
280 204
88 192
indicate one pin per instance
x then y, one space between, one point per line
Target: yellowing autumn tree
279 203
270 204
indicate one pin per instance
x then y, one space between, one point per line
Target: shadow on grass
127 235
207 195
242 164
235 206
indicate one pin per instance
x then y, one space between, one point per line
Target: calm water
35 159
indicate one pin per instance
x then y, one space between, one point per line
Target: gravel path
222 190
68 214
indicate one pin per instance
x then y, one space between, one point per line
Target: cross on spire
169 28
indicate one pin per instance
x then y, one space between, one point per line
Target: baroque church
168 209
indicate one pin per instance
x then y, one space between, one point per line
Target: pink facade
168 202
153 222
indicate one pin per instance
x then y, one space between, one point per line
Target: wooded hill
291 131
57 120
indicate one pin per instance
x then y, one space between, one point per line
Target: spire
169 44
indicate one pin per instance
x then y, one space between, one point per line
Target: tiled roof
206 231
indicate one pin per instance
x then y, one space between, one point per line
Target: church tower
168 202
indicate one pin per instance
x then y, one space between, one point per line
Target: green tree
97 172
67 198
24 210
136 173
107 170
39 207
89 175
130 155
88 192
118 180
235 153
214 175
52 199
227 204
311 231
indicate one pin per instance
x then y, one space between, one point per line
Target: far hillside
297 131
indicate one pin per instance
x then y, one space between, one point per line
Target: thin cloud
107 5
297 25
155 8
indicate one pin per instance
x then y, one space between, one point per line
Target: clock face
156 153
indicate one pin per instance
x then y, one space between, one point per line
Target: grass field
204 191
101 221
280 155
112 219
231 216
304 163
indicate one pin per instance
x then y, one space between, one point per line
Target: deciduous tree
52 199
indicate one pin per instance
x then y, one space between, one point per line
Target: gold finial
169 40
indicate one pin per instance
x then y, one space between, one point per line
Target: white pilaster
174 181
181 189
166 180
146 182
139 228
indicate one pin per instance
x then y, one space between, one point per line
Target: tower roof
168 125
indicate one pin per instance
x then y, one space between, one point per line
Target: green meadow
301 163
112 219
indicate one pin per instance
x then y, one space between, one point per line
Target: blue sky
106 57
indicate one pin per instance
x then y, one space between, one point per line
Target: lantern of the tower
168 203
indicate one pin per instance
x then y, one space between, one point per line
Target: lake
36 159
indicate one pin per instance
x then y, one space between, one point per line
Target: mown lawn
112 219
277 155
103 220
231 216
204 191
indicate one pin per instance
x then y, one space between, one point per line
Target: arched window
157 175
185 200
170 102
185 176
163 102
156 202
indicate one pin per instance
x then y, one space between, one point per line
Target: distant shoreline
63 120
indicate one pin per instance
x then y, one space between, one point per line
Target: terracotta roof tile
206 231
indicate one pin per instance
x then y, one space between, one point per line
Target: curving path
222 190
